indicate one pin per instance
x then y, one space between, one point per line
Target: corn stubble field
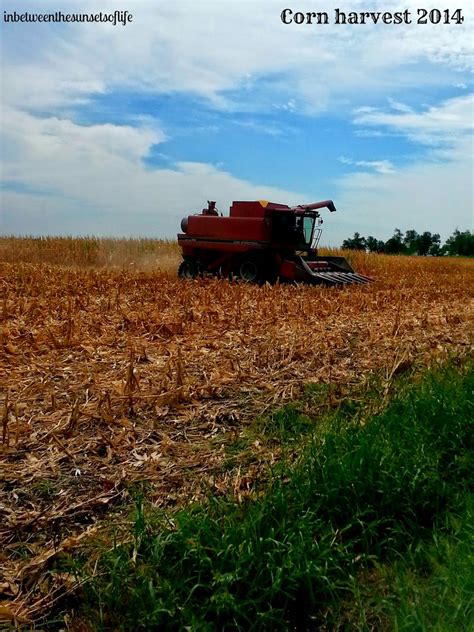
113 371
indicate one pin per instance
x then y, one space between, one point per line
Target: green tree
435 248
425 242
374 245
395 245
460 243
411 241
355 243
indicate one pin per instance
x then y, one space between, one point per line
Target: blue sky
122 130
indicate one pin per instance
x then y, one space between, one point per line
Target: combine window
308 226
293 230
304 226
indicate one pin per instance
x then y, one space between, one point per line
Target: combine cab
259 242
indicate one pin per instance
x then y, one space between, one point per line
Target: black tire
188 270
250 270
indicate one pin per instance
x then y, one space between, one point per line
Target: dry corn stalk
211 355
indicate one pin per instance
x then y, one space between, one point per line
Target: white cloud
262 128
219 46
446 122
380 166
99 184
397 106
433 193
424 196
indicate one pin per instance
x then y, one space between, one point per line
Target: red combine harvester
261 241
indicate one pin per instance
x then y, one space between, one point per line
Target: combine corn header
261 241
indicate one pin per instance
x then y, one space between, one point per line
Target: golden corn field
114 371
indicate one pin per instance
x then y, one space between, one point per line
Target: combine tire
250 270
188 270
257 269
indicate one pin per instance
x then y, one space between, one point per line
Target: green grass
366 530
287 424
432 587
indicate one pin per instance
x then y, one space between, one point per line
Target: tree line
413 243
